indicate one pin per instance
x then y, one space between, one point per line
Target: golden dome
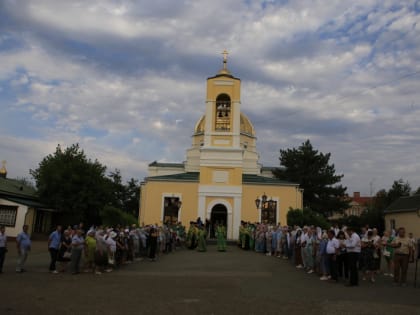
199 127
3 170
245 126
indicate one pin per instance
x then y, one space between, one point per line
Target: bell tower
223 101
221 156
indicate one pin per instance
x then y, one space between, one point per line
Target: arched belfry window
223 112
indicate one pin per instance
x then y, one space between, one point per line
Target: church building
221 179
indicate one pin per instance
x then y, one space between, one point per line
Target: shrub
112 216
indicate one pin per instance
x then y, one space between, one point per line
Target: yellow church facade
221 180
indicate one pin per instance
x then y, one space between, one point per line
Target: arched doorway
218 216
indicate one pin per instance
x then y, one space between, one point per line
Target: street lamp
257 203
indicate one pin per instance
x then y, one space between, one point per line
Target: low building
19 205
357 205
404 212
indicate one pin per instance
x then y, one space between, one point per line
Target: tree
312 171
417 192
118 189
112 216
399 189
72 184
131 203
126 197
306 217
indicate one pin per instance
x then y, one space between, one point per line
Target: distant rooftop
404 204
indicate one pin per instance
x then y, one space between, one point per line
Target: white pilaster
201 206
209 123
236 124
237 216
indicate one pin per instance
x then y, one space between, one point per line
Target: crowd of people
99 249
336 254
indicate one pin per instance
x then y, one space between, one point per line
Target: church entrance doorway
218 216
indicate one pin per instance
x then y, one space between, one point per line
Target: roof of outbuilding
15 191
404 204
15 187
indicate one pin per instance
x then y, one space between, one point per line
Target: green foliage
375 216
125 196
306 217
352 221
112 216
73 184
79 189
312 171
399 189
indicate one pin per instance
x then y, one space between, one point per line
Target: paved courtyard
188 282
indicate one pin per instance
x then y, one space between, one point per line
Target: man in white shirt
353 246
332 250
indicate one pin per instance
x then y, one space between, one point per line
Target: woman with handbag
64 252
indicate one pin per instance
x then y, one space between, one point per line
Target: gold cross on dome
225 54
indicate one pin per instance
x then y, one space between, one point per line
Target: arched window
223 112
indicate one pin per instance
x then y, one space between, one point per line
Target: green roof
195 177
404 204
27 202
158 164
14 187
13 190
268 168
182 177
262 180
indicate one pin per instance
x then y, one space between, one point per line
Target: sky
126 80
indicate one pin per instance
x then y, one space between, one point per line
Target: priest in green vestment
221 237
201 237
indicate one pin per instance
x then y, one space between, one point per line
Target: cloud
127 80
